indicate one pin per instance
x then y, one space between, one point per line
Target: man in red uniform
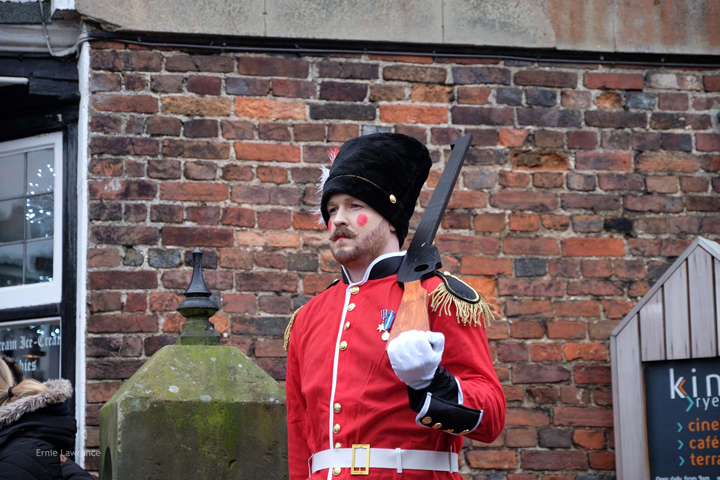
352 405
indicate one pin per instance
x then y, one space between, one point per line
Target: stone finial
197 308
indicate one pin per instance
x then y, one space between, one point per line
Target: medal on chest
387 319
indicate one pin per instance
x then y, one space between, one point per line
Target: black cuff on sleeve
443 386
437 406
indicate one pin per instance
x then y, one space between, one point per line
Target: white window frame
45 292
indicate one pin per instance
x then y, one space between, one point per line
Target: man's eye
332 210
355 205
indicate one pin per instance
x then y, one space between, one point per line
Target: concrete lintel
627 26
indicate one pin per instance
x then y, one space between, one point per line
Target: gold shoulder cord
286 343
468 313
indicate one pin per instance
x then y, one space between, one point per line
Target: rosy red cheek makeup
362 220
329 225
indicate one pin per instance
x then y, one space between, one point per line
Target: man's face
358 234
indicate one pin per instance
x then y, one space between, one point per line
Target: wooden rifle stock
413 311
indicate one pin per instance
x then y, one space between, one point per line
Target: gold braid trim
441 299
286 343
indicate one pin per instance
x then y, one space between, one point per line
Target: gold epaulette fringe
468 313
286 343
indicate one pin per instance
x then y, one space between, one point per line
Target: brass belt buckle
360 470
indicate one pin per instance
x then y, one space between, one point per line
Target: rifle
422 258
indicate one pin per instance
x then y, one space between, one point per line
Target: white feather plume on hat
324 175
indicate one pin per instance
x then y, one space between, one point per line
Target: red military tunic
342 390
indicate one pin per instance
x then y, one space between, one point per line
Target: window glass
27 217
35 345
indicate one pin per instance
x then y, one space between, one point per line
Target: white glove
415 356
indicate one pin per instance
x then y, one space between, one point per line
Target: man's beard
366 249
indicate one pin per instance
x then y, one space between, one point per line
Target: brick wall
582 185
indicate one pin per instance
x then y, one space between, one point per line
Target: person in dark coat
37 428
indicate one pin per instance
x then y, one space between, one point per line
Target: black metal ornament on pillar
197 308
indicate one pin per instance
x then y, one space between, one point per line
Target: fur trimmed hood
58 391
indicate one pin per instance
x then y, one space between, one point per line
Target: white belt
356 458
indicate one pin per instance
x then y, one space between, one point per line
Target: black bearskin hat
384 170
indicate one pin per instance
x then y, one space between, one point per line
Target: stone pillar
195 409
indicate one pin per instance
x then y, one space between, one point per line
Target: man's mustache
342 232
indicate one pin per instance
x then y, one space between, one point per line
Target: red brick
555 222
546 352
164 301
542 395
554 460
548 180
135 302
197 237
200 170
513 179
103 257
104 302
124 235
512 137
609 100
122 324
540 373
266 152
523 222
537 308
614 81
694 184
596 268
617 308
101 392
549 139
195 149
193 192
583 416
112 369
666 162
239 217
589 439
387 93
237 129
655 203
707 142
540 160
711 83
413 114
267 108
126 103
262 195
575 99
309 132
204 85
495 459
473 95
121 189
267 281
521 437
341 132
530 246
462 244
662 184
579 308
573 395
526 417
603 161
602 460
530 288
273 67
593 247
513 393
593 374
269 239
196 106
306 220
566 330
236 259
275 219
585 351
238 303
512 352
489 222
582 140
546 78
407 73
539 202
282 87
